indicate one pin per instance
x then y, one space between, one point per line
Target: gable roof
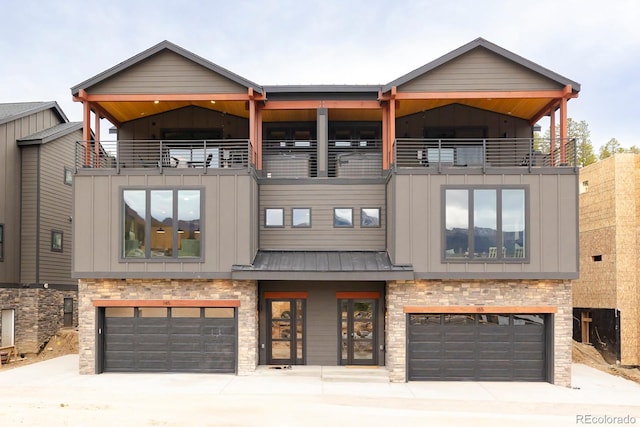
50 134
477 43
16 110
165 45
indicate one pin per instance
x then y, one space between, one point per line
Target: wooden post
585 320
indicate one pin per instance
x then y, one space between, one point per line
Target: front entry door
358 332
286 340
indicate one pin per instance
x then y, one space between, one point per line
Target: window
343 217
161 224
301 217
274 217
68 176
370 217
492 221
56 240
1 242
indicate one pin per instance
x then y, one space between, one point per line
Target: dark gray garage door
161 339
477 347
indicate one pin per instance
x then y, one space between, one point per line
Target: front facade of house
606 297
414 225
37 294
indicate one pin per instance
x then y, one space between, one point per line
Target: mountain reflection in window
497 218
370 217
343 217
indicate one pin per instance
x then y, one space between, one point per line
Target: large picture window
160 224
485 224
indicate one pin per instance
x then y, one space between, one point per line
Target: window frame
148 257
293 224
352 225
379 225
68 176
470 211
282 221
1 242
54 245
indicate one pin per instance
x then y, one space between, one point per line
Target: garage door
161 339
477 347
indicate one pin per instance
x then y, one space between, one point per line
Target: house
606 297
37 293
413 225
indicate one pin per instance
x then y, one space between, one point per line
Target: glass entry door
286 340
358 332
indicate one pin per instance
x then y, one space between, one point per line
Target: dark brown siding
10 181
56 208
322 198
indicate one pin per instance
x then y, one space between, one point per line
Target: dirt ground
66 342
588 355
62 343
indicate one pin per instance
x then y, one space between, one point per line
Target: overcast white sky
48 46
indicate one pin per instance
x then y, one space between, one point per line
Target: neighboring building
606 298
37 293
411 225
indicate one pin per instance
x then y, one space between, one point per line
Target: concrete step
358 374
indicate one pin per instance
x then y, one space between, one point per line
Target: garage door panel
161 344
473 348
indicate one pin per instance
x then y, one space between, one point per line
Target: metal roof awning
322 265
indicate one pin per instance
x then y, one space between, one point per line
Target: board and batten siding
322 199
479 70
166 72
56 201
416 232
10 182
228 206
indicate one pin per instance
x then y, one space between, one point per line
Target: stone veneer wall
39 314
162 289
554 293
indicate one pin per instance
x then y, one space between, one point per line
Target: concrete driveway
52 393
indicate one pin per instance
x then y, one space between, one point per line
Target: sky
49 46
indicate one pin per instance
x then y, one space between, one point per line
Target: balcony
446 154
345 158
160 155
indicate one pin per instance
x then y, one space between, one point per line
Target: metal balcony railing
483 153
355 158
161 154
289 158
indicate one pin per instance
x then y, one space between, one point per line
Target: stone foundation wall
244 291
482 292
39 314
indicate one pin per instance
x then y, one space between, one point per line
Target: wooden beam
483 95
286 295
315 104
550 107
358 295
144 97
464 309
